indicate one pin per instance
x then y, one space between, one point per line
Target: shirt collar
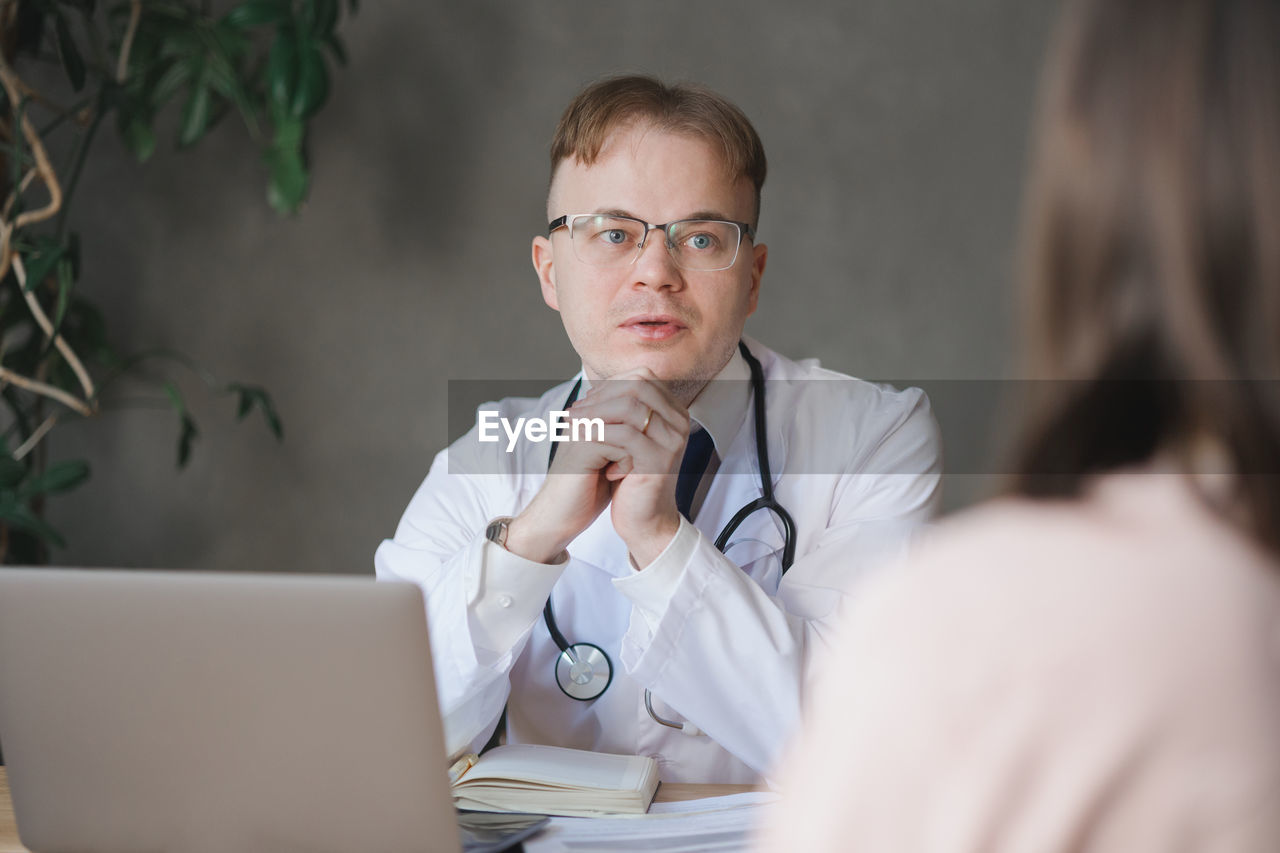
721 406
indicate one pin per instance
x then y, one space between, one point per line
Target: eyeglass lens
694 244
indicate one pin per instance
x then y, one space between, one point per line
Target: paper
691 826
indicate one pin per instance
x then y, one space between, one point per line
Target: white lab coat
717 638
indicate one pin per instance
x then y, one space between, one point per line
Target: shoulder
1142 582
821 403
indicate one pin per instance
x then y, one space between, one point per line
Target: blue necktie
697 455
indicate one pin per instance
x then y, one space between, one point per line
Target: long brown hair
1152 249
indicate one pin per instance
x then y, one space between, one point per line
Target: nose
654 266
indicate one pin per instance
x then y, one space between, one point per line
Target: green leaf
195 113
58 477
91 329
66 281
289 130
313 81
11 472
186 438
139 138
337 48
40 262
224 79
318 17
256 13
326 17
22 518
188 432
287 186
73 253
70 54
175 398
282 67
253 396
174 78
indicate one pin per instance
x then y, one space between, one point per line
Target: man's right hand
586 474
575 492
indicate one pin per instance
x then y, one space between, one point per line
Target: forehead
655 174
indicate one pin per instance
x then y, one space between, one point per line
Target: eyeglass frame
745 231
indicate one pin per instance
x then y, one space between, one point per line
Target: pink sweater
1101 675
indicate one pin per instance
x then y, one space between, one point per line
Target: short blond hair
612 103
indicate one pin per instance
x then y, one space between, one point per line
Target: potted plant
123 65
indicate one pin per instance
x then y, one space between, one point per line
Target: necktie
697 455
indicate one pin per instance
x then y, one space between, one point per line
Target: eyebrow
698 214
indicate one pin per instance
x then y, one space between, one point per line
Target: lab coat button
504 601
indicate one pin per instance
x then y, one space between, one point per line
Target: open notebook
556 781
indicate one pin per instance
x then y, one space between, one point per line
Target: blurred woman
1093 661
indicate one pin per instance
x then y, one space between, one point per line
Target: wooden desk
667 793
674 792
8 828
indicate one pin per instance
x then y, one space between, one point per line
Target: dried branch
86 382
45 390
12 85
13 198
126 46
35 437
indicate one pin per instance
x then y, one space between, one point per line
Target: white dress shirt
717 637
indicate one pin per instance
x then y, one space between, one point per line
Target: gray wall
896 132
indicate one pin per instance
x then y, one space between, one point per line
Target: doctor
676 650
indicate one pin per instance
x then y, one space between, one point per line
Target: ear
759 255
544 265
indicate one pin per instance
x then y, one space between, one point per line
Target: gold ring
647 418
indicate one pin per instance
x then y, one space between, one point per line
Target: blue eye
701 241
615 236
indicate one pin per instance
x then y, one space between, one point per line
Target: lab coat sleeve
734 659
481 600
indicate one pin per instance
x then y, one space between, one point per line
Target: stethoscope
583 670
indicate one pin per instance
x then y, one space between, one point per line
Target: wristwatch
497 530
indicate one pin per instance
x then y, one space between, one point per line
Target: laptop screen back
174 711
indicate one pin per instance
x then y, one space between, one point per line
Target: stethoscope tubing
571 657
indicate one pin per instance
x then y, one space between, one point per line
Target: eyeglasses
606 240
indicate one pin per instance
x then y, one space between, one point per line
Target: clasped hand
632 469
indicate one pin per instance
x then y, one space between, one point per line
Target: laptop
180 712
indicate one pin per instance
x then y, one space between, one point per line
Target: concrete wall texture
896 133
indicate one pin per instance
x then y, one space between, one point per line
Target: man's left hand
642 417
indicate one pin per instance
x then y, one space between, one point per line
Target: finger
586 456
657 452
631 403
623 383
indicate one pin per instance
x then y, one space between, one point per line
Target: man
702 656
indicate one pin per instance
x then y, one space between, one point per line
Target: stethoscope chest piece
583 671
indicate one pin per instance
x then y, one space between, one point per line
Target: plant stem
82 150
46 390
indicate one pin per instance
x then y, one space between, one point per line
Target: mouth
653 327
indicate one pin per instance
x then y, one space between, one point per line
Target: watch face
497 532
